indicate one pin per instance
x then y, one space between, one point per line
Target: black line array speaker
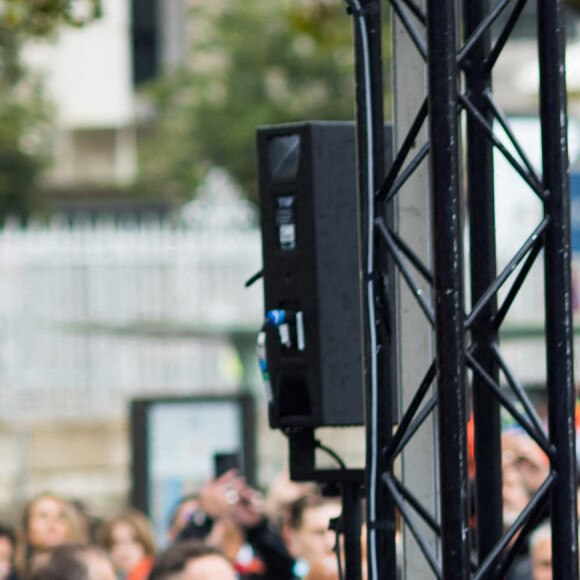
310 247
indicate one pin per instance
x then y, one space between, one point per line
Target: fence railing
93 314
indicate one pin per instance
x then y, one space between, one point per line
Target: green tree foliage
41 18
24 112
252 63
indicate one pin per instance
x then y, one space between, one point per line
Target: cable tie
382 526
371 277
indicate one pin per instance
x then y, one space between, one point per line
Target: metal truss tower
468 370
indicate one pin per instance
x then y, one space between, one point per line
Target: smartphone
223 462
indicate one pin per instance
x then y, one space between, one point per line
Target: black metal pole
449 332
559 336
480 187
381 553
352 527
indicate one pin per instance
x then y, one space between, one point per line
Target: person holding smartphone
230 518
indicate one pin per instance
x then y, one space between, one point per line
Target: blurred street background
129 225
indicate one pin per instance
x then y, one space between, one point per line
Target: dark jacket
266 544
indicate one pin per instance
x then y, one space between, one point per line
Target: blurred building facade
91 75
97 311
88 75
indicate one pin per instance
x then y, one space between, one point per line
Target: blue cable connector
276 317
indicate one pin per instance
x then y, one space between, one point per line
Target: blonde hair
139 524
24 549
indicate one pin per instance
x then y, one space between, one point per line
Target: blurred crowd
524 468
230 531
227 531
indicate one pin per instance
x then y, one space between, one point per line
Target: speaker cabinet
309 222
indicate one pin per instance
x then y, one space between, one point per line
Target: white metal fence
94 314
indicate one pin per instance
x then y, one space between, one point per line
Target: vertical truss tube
381 553
449 317
486 415
559 336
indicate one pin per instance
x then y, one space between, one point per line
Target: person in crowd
72 561
182 515
515 498
7 544
325 569
541 552
192 560
128 539
230 517
90 522
520 450
514 492
210 519
308 532
524 469
46 521
281 494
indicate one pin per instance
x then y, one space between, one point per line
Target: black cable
254 278
332 453
337 550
